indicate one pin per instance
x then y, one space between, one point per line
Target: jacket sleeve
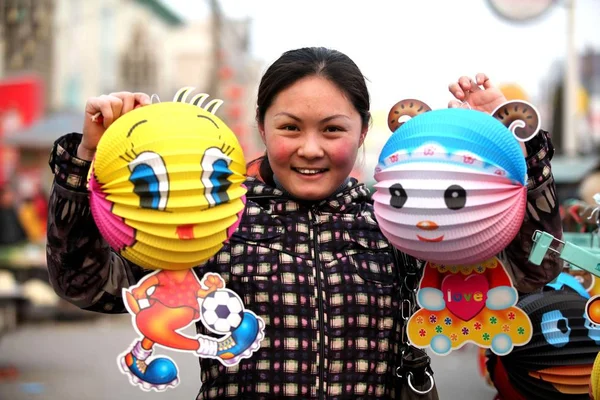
542 213
81 265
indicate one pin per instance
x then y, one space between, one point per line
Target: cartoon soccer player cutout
166 192
451 190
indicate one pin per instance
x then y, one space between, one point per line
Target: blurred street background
54 54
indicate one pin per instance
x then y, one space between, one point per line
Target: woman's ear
363 135
261 130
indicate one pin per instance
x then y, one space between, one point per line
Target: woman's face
312 133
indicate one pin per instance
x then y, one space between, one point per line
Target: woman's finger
456 91
483 80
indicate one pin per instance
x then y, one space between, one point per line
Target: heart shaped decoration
465 297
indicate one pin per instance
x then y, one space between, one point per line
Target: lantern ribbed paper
450 187
557 362
166 185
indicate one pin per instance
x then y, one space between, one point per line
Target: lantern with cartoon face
451 190
451 183
167 184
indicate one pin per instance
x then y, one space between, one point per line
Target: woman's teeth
309 171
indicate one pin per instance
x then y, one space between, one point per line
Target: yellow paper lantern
166 184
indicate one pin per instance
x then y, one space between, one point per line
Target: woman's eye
290 128
333 129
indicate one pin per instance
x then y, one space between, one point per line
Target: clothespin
575 255
596 210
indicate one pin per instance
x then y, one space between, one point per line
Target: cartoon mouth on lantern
428 226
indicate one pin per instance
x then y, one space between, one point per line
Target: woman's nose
311 147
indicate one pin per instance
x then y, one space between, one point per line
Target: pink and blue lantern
451 183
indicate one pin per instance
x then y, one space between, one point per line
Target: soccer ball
222 311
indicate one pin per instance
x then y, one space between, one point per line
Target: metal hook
596 210
421 392
409 305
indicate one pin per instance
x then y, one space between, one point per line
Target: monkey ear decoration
520 117
405 108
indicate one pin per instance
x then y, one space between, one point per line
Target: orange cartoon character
451 190
166 192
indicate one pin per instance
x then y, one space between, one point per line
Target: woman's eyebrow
326 119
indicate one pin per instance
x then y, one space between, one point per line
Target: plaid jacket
321 275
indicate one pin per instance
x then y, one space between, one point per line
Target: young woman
308 256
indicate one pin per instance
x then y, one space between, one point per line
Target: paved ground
77 360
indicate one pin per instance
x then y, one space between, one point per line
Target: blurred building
111 45
54 54
570 171
213 55
588 102
26 40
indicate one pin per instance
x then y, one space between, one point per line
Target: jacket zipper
320 301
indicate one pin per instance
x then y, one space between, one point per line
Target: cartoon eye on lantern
555 328
150 180
455 197
215 174
399 196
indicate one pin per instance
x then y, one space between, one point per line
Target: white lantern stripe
431 183
449 172
433 201
470 250
442 216
452 232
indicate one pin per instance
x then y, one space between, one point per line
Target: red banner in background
21 105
